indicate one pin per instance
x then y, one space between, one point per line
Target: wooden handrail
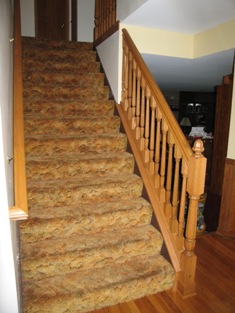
173 173
20 210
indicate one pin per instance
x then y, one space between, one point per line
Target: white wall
86 13
110 53
8 289
125 8
27 18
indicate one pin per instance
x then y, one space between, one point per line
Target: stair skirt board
88 242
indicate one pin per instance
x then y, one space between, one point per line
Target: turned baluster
147 124
133 121
157 147
175 194
164 130
130 75
195 187
170 142
152 136
137 132
142 114
125 77
181 218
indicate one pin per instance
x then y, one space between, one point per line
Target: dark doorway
52 19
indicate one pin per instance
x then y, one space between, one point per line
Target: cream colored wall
155 41
214 40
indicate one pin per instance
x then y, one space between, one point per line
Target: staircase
88 242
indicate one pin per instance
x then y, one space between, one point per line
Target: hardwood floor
215 279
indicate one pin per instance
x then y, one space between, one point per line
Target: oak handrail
173 173
20 209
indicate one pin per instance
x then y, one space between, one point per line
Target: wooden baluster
157 147
125 74
133 121
113 14
147 124
130 76
181 218
137 133
152 136
164 130
175 195
195 187
168 209
142 114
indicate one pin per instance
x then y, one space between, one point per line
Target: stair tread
69 108
80 211
85 242
135 278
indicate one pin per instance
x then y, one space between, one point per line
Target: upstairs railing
173 173
20 209
105 20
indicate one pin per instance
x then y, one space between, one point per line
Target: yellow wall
161 42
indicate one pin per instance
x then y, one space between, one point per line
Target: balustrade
174 170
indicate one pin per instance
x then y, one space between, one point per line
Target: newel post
195 187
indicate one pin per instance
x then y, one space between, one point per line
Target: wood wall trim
227 209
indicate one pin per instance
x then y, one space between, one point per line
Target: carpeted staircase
88 242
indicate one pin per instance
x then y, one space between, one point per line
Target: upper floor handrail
20 209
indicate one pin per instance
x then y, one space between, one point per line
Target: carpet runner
88 242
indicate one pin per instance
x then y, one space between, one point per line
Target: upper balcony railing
105 19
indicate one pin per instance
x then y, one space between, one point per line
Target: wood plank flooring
215 279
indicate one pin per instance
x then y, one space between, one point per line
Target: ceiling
191 17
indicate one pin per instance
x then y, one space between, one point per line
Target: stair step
69 145
58 168
85 190
83 218
61 108
106 286
47 44
49 257
78 67
49 92
72 126
57 55
64 78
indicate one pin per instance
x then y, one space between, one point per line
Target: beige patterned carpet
88 242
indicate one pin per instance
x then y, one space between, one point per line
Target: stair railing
173 173
20 210
105 20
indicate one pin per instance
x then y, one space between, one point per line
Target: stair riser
93 67
69 109
65 93
72 126
74 146
73 79
58 169
57 55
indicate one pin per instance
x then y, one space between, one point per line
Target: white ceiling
186 16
